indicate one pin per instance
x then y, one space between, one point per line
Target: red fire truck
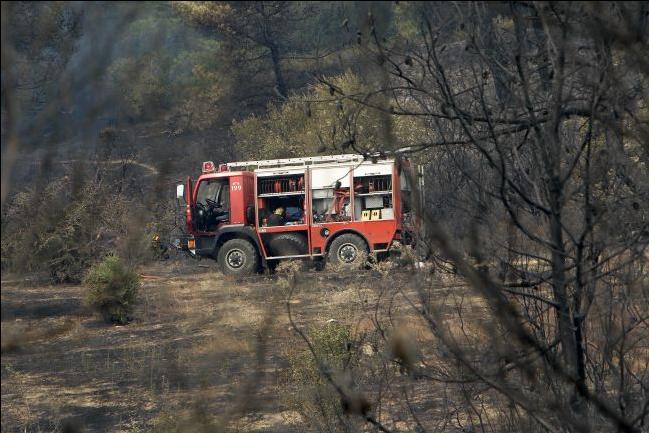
247 215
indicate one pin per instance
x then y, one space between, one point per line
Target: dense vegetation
531 121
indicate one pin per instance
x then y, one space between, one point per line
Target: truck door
212 204
188 203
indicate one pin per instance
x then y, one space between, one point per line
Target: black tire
348 250
319 263
238 257
288 244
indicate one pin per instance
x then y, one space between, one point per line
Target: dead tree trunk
277 69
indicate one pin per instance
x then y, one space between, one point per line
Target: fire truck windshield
213 189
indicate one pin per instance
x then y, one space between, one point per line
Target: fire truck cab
339 208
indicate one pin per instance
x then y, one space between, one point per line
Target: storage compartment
372 184
280 185
331 194
373 197
280 200
331 205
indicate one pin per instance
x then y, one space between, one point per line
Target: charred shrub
113 288
58 232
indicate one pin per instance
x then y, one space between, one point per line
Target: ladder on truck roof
296 162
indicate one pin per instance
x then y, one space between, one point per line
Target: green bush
113 288
331 343
316 400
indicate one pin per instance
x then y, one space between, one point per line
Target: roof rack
296 162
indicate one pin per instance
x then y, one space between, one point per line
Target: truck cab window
211 190
212 204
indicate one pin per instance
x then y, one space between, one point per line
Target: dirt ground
194 348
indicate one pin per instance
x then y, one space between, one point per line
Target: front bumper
198 245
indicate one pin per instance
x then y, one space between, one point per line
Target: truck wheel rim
347 253
235 259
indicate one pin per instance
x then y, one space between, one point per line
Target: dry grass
187 356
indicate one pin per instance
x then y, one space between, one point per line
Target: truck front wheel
238 257
348 250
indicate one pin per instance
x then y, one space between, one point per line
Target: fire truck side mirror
180 191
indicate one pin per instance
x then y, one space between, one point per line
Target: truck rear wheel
348 250
238 257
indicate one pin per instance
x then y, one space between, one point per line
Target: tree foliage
316 122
